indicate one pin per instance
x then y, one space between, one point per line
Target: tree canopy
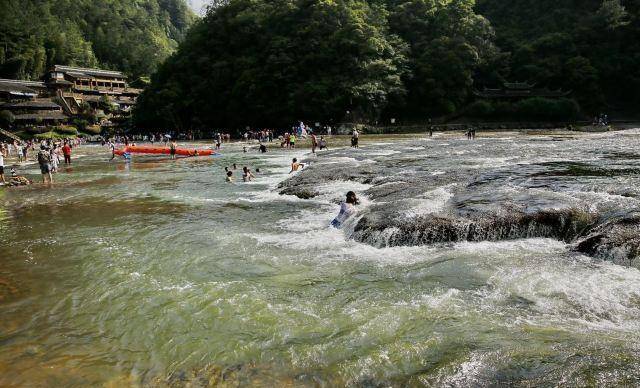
259 62
131 36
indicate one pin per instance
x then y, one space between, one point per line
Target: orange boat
162 151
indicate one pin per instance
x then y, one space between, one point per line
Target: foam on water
430 202
204 273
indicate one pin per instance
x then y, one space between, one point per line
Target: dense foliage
270 62
259 62
132 36
591 47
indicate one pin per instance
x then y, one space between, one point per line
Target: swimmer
295 166
347 209
247 176
229 177
235 167
263 148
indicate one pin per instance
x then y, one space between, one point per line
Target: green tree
273 62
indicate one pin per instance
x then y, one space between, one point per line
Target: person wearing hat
44 160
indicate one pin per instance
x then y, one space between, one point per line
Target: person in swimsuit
295 166
347 209
247 176
229 177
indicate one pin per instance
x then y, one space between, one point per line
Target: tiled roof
88 72
42 116
35 104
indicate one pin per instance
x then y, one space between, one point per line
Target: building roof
34 104
520 92
17 89
132 91
518 85
24 83
82 71
41 116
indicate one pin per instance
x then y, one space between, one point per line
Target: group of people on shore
48 157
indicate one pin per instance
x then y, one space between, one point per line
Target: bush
49 135
36 130
93 130
80 124
547 109
481 109
66 130
6 117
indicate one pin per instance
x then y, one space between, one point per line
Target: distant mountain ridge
133 37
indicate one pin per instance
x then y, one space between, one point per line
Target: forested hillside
589 46
258 62
132 36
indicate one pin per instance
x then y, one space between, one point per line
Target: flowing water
157 273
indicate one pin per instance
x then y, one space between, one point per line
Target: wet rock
322 173
302 192
564 225
616 240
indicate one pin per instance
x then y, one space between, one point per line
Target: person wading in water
172 149
347 209
44 160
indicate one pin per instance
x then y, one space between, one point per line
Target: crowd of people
49 154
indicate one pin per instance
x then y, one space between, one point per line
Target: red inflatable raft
162 151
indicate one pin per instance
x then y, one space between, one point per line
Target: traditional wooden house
62 94
77 85
29 103
518 91
18 90
35 112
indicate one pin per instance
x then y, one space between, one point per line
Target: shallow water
158 273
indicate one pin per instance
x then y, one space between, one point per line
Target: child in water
347 209
229 177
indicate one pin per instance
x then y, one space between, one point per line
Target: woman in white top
347 209
2 167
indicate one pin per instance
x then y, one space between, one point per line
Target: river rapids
511 260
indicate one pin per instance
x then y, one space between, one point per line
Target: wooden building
519 91
77 85
63 93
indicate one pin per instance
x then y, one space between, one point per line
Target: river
508 260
